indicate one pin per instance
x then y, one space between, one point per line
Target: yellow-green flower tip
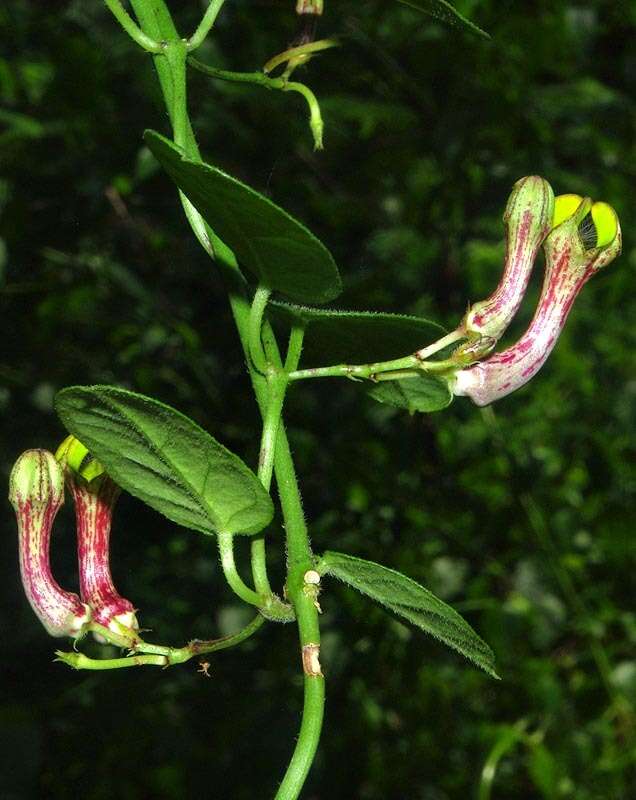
76 457
564 207
606 223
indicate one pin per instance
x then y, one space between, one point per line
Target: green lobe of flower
77 458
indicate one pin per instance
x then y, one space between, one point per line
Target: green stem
354 371
226 551
205 26
133 30
156 654
255 78
257 311
80 661
440 344
299 552
176 53
299 561
281 83
277 387
303 50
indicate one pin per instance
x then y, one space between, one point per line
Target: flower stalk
36 492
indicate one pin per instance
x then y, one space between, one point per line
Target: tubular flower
36 492
528 220
585 238
95 495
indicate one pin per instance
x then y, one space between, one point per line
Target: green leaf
165 459
445 12
356 337
413 602
274 246
425 393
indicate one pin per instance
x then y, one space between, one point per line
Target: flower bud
586 237
95 495
36 492
527 219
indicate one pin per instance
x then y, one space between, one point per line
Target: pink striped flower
528 220
36 492
585 238
95 495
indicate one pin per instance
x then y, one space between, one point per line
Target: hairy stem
299 551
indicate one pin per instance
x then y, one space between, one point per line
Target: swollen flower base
586 237
36 492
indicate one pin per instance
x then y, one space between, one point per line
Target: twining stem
205 26
155 20
133 30
299 561
277 382
226 551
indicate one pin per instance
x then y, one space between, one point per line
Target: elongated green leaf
161 456
445 12
274 246
424 393
413 602
356 337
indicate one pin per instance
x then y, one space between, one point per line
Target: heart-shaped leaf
165 459
445 12
274 246
356 337
412 602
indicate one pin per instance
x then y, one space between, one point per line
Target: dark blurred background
521 516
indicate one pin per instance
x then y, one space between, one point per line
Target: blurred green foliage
521 516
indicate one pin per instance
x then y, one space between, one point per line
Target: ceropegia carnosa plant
172 464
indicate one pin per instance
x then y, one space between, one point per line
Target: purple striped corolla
586 237
36 492
95 494
527 219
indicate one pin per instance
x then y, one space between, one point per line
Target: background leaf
424 393
277 248
413 602
165 459
444 11
356 336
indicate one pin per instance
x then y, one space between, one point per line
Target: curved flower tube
586 238
95 495
36 492
528 220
